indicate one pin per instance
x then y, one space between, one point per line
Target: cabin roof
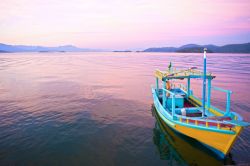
181 74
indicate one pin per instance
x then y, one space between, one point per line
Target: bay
96 108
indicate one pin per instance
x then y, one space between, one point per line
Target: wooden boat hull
217 141
188 150
220 143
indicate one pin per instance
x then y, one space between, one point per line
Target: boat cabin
179 100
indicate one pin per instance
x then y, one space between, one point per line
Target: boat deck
191 109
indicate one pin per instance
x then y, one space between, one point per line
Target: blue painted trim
204 84
173 105
228 98
164 97
228 103
222 90
188 87
171 93
208 93
189 76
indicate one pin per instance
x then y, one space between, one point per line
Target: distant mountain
8 48
161 49
23 48
195 48
235 48
189 48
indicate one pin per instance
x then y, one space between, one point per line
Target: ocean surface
96 109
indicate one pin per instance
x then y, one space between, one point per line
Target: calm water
96 109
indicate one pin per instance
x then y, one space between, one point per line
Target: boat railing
173 100
204 122
228 92
209 123
208 104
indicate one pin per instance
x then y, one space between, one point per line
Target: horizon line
124 49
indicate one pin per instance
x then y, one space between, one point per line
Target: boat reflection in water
179 149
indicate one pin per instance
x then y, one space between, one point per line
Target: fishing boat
181 110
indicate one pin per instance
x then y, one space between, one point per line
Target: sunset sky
124 24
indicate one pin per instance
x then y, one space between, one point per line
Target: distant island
122 51
195 48
5 48
189 48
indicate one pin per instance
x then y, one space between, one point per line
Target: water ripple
95 108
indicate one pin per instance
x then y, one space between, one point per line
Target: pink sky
120 24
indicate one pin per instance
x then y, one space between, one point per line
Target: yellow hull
198 157
219 141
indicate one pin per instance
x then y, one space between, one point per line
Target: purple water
95 108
